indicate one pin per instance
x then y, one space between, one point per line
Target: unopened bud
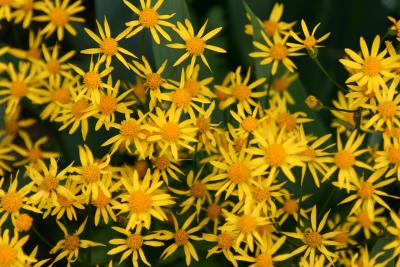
313 102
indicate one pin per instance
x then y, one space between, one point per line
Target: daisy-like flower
12 251
345 160
13 126
59 16
32 153
273 24
131 133
182 237
240 91
389 158
214 209
314 240
369 223
14 200
90 173
195 45
167 167
108 46
170 133
310 42
69 247
237 170
387 109
280 86
143 200
276 52
54 65
367 192
290 208
133 244
148 17
24 12
48 183
194 85
371 68
245 225
225 241
153 81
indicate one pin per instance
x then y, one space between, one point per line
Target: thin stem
327 203
41 237
195 156
316 60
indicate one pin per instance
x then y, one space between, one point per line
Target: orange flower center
280 85
310 42
33 53
364 220
199 190
225 241
241 92
61 96
139 91
140 202
109 46
312 239
59 16
49 183
181 98
6 2
249 124
162 163
11 202
309 153
238 172
270 27
18 89
92 80
141 167
101 201
64 202
342 237
129 129
71 242
195 46
261 194
264 260
148 17
247 224
12 127
135 241
287 120
153 81
91 174
203 124
213 211
278 51
372 66
23 222
366 190
387 109
108 104
8 255
27 5
181 237
394 155
53 66
344 159
79 107
275 155
192 86
290 206
34 155
170 132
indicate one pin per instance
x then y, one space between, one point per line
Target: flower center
364 220
92 80
195 46
199 190
153 81
287 120
8 255
59 16
170 132
141 167
366 190
192 86
135 241
23 222
344 159
6 2
12 127
71 242
148 17
91 174
239 143
372 66
109 46
61 96
238 172
34 155
225 241
342 237
181 98
203 124
11 202
312 239
280 85
387 109
53 66
241 92
64 202
18 89
181 237
33 53
394 155
290 206
264 260
108 104
79 107
101 201
247 224
213 211
27 5
310 42
249 124
49 183
270 27
140 202
162 163
129 129
278 51
261 194
309 153
275 155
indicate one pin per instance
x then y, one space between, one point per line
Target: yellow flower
314 240
196 87
225 242
13 126
148 17
290 208
363 259
108 46
54 65
133 244
363 220
12 251
165 166
5 9
143 200
24 12
280 86
182 237
309 42
241 91
59 16
371 68
34 51
70 245
195 45
275 52
214 210
389 157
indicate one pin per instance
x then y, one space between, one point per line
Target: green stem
41 237
195 156
327 203
316 60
